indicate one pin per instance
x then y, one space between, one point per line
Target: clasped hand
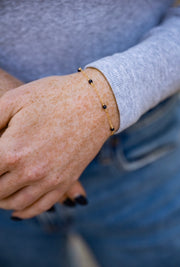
54 129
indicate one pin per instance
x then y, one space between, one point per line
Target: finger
30 194
11 183
76 190
75 194
27 195
40 206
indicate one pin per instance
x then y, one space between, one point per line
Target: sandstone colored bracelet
104 106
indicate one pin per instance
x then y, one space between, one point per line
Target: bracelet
104 106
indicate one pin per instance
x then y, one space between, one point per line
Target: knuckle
13 158
34 174
16 204
28 198
54 181
21 203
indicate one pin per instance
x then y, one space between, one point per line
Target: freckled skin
8 82
56 126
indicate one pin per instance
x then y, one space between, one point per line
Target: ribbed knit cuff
119 86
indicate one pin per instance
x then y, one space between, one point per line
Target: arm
147 73
56 125
7 82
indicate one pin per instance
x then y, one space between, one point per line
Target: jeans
133 216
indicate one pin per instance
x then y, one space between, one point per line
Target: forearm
7 82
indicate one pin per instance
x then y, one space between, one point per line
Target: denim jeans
133 216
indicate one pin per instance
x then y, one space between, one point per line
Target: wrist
107 95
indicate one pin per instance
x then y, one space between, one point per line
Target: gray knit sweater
135 44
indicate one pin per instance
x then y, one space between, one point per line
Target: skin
8 82
54 128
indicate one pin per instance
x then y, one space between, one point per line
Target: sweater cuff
147 73
122 94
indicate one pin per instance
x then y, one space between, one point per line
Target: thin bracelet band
104 106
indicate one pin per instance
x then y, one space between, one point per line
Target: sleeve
147 73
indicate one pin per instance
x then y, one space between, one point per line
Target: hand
76 193
55 128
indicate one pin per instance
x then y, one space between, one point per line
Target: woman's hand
76 193
55 128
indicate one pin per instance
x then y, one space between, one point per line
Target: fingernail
82 200
15 218
52 209
68 202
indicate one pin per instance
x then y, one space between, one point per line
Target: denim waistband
153 136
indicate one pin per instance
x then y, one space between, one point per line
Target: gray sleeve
147 73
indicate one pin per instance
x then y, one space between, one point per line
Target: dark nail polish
15 218
52 209
68 202
82 200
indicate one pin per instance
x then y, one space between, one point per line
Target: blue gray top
135 44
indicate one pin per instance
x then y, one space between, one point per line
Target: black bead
104 106
112 129
90 81
79 69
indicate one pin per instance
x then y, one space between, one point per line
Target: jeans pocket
155 135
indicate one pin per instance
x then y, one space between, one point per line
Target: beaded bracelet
104 106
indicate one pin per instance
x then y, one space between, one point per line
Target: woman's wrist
108 98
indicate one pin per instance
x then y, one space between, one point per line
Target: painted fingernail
15 218
82 200
52 209
68 202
